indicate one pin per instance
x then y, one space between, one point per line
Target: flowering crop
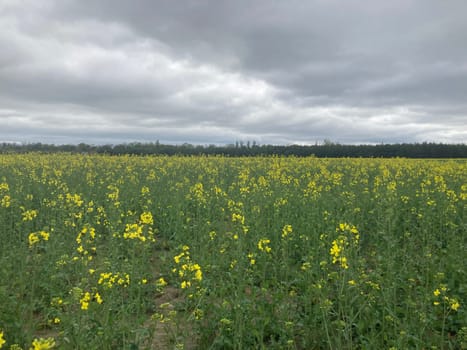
215 252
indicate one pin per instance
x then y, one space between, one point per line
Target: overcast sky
216 72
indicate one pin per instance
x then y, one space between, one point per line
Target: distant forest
241 149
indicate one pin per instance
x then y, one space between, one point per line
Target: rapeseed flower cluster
145 190
161 282
354 234
54 320
56 302
134 231
286 231
186 269
146 218
113 195
237 216
198 194
441 296
43 344
74 199
347 233
85 300
263 245
98 298
141 230
313 190
251 258
85 240
90 231
87 297
463 194
36 237
109 279
337 252
5 201
29 215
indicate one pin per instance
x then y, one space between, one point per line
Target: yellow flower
5 202
161 282
74 199
343 227
238 217
263 245
92 232
436 292
335 251
198 275
134 231
84 301
33 239
454 304
2 340
287 230
212 234
28 215
178 257
344 263
146 218
98 298
43 344
44 235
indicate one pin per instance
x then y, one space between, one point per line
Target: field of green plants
101 252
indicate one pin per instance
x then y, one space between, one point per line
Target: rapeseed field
122 252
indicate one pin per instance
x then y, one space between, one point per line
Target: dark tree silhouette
240 149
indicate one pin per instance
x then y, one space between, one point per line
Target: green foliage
128 252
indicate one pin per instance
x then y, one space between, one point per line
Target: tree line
240 149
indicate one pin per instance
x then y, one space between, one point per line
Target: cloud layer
115 71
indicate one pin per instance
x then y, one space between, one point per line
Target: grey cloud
196 71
